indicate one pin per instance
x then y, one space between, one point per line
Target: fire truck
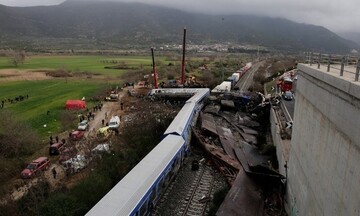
285 84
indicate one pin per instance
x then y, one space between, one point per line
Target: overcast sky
335 15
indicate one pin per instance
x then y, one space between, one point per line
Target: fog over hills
116 24
353 36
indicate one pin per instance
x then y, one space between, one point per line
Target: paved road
290 105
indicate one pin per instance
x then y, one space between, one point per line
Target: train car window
153 195
160 185
166 182
143 209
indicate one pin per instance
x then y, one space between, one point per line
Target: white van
114 122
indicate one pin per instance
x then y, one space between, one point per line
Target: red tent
75 104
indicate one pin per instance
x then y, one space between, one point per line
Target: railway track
246 81
191 192
199 193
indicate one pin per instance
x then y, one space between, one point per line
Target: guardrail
332 61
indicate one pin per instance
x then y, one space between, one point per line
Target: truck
56 148
40 163
286 84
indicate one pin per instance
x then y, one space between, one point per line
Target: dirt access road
108 110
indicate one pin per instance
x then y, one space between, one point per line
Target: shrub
16 138
62 204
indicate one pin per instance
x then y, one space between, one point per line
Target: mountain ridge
137 24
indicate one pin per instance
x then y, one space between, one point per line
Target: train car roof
224 86
175 90
125 196
199 95
180 120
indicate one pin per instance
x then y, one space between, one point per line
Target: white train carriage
140 189
175 91
199 96
181 125
225 86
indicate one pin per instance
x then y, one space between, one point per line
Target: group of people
52 141
15 100
97 107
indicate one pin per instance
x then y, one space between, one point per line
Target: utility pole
183 60
154 68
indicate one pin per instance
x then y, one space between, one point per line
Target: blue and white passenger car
140 189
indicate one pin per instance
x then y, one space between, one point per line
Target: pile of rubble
228 130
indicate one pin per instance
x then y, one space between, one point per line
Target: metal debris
227 103
75 164
101 148
208 122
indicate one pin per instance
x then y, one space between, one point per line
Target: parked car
77 135
288 95
103 132
113 97
114 122
55 148
41 163
83 125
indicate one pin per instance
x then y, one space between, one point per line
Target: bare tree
16 57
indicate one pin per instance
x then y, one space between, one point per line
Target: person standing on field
54 172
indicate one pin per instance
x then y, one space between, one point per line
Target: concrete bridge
322 161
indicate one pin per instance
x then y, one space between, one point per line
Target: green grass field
89 63
46 95
52 94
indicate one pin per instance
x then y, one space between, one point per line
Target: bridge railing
341 63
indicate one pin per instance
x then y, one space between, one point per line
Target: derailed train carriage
140 190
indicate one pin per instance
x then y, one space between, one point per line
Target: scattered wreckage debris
234 149
227 141
244 198
101 148
214 109
208 122
75 164
228 104
227 165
